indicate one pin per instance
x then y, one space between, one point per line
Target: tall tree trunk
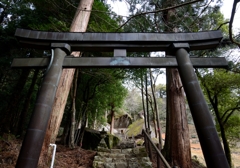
67 125
227 150
155 126
177 147
79 24
156 112
226 147
147 107
177 139
73 112
11 111
25 110
143 103
82 126
112 120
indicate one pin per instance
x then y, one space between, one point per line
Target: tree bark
73 112
83 122
143 103
177 139
159 131
226 147
25 110
79 24
227 150
11 112
112 120
177 147
65 135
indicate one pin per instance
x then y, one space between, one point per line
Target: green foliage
53 24
102 19
133 102
55 15
59 16
212 19
232 128
199 16
98 91
221 88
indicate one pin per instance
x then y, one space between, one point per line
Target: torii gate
120 43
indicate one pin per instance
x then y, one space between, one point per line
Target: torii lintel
132 42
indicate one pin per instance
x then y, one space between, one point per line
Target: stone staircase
135 157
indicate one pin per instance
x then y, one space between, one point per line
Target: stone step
99 164
121 158
137 150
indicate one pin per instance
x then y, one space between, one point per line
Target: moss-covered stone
111 141
124 158
139 142
135 128
92 139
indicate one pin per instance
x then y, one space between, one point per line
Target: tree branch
231 22
228 115
222 25
156 11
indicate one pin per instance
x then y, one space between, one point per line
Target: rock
92 139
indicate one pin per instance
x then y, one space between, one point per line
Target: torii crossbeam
120 43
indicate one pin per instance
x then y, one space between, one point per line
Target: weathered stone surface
122 158
135 150
116 151
119 160
127 144
98 158
145 164
133 165
122 121
111 141
102 144
109 165
101 149
92 138
145 159
98 164
132 160
121 165
142 152
127 151
108 160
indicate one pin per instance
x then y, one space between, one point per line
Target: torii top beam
139 42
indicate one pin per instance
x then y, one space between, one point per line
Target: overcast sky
122 9
227 10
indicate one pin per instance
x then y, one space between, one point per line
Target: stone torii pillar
33 141
180 43
207 134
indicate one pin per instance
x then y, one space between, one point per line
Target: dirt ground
65 157
196 150
80 158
